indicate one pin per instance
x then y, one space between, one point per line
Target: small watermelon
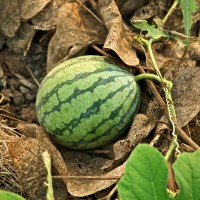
86 102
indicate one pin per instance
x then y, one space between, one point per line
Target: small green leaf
152 31
187 174
145 175
188 8
5 195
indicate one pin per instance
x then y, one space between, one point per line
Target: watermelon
87 102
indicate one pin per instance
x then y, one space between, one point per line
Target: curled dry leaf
9 18
76 30
117 40
29 8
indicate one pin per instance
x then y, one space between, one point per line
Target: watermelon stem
147 76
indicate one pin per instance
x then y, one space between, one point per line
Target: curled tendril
172 115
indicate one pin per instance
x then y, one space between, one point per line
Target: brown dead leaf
76 30
20 43
9 18
29 8
117 40
140 128
30 169
194 50
47 18
35 131
90 165
186 94
29 166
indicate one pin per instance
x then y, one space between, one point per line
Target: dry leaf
47 18
194 50
139 130
29 8
117 40
35 131
89 164
9 18
186 94
21 42
76 30
29 166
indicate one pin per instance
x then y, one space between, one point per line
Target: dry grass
8 177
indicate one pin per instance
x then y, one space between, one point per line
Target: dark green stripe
135 105
82 76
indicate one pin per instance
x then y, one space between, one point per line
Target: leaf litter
41 33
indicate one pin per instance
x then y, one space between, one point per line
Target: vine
167 88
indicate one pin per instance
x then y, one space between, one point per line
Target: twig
97 18
87 177
32 75
111 193
100 50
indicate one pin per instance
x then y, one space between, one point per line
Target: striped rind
87 102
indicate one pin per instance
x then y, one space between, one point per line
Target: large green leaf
187 174
5 195
188 8
145 175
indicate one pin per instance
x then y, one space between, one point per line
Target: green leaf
152 31
145 175
188 8
47 162
187 174
5 195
